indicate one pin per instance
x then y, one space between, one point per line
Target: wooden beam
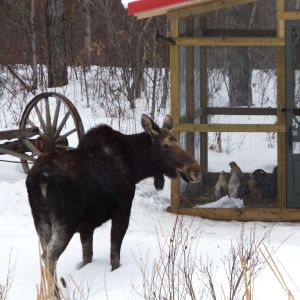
281 103
238 32
229 128
205 8
203 102
174 99
18 133
174 76
288 15
280 21
281 119
241 214
240 111
230 41
189 88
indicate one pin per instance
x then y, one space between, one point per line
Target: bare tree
153 104
33 44
138 70
164 96
109 27
87 36
57 70
239 68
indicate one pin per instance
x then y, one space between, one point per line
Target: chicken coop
235 102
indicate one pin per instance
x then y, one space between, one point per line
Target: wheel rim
59 123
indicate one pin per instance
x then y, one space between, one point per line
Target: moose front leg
118 229
159 181
86 237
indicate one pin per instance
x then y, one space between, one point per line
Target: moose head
168 154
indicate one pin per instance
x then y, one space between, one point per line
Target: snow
224 202
150 223
125 2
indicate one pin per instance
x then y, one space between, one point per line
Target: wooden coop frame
179 9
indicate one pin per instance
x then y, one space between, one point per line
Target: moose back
78 190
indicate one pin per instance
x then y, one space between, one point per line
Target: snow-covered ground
149 220
149 225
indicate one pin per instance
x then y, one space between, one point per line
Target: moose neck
139 156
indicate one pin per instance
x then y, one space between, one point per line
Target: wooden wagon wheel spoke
25 157
30 146
62 124
66 134
22 156
40 117
29 122
46 108
48 117
56 114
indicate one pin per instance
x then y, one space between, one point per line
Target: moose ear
149 125
168 122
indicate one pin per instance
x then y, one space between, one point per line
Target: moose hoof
115 264
113 268
81 265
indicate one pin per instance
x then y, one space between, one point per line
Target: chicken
221 187
234 185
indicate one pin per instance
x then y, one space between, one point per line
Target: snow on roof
125 2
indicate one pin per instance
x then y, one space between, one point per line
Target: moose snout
191 173
194 175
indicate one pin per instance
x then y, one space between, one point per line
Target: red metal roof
147 8
141 6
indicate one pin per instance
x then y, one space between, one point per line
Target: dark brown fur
265 183
78 190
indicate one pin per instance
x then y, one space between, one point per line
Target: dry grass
181 273
50 289
4 287
276 271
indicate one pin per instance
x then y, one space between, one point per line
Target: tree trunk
109 27
139 68
87 36
57 70
163 103
239 74
239 66
33 45
153 105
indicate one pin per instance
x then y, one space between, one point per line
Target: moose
77 190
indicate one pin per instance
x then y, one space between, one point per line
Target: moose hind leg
44 232
118 230
86 238
59 240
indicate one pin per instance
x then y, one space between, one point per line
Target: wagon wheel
59 124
